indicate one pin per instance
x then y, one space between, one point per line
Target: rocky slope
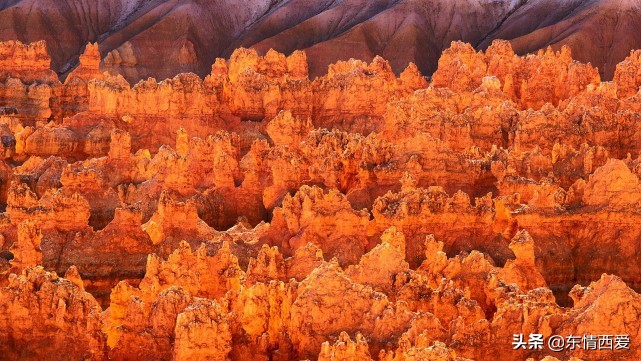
161 38
259 214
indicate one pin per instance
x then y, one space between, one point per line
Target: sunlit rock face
259 214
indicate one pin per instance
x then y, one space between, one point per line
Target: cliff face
259 214
191 34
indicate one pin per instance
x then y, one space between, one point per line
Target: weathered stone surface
258 214
46 316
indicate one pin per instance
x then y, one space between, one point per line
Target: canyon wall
158 38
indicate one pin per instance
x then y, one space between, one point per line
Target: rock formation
141 39
259 214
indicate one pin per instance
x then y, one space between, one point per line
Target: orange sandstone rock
531 81
47 316
202 332
627 76
345 349
325 219
258 214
